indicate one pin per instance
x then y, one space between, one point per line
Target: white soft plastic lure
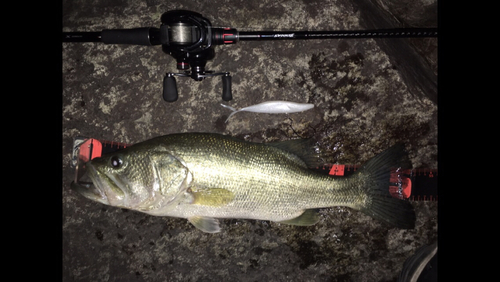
272 107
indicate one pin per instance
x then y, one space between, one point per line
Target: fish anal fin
307 218
205 224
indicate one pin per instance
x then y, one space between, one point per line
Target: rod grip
170 89
226 88
134 36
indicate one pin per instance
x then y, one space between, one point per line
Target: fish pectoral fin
214 197
307 218
205 224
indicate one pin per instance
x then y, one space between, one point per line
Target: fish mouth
90 185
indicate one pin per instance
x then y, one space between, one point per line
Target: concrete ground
368 94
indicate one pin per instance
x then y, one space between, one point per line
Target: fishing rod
190 38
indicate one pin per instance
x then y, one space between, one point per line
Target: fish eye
116 162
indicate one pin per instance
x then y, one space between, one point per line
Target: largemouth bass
204 176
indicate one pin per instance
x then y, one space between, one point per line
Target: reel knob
170 88
226 87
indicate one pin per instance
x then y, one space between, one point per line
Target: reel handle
170 93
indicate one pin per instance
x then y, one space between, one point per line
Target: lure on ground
272 107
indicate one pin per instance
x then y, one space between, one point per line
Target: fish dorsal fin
307 218
205 224
302 148
215 197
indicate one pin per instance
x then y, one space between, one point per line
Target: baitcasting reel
190 39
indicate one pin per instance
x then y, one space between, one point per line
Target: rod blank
81 37
377 33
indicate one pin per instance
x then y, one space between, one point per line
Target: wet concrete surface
367 94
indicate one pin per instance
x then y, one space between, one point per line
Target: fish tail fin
231 108
380 204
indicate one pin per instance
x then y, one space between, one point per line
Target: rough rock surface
367 94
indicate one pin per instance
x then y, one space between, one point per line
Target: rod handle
136 36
